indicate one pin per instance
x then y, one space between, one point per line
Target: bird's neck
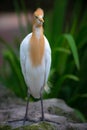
37 46
37 31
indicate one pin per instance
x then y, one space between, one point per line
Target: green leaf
58 18
6 44
84 95
20 88
61 49
80 115
67 76
56 91
75 16
70 76
73 48
81 39
63 78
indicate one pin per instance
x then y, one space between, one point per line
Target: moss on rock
5 127
71 116
37 126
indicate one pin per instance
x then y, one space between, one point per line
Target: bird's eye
36 17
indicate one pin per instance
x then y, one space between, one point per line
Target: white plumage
35 77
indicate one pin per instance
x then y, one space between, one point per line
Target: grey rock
58 115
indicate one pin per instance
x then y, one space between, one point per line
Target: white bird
35 59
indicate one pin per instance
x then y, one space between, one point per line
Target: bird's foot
51 121
25 119
15 120
30 120
48 120
42 118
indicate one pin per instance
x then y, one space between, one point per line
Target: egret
35 60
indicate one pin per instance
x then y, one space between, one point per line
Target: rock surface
59 115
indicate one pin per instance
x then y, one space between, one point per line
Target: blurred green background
66 29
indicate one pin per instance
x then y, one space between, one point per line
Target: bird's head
38 17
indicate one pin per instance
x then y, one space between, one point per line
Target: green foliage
67 45
63 47
11 75
58 18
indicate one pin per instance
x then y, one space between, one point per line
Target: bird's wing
23 53
47 59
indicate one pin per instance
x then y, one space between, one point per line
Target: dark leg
42 111
26 113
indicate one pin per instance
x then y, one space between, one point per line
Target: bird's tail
47 87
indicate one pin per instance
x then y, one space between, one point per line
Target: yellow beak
42 20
